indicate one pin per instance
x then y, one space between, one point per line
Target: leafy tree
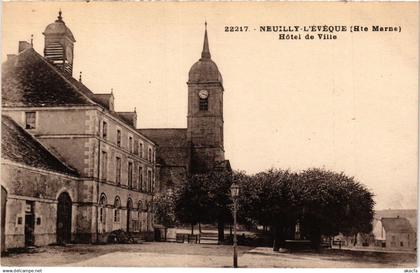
165 209
333 203
323 202
205 198
265 199
192 201
218 187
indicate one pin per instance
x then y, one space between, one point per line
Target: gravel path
200 255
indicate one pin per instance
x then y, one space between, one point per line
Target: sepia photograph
209 135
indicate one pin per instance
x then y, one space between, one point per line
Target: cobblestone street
200 255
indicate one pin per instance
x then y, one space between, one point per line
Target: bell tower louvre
59 45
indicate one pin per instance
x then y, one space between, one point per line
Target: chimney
23 45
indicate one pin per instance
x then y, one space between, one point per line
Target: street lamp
234 190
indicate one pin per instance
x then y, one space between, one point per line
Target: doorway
29 223
129 209
64 218
3 218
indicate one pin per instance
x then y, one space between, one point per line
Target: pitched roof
173 148
29 80
410 214
19 146
398 224
223 165
172 137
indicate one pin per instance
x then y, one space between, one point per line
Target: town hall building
74 169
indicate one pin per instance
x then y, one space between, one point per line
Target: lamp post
234 190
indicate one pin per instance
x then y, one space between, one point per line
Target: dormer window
30 120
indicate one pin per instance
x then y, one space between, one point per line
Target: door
129 209
3 218
64 218
29 223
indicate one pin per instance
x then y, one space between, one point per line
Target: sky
348 105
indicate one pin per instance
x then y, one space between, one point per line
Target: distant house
395 233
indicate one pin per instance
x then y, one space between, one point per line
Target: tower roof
205 54
205 70
59 28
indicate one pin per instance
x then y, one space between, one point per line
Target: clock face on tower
69 54
203 94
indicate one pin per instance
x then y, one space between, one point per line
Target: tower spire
206 51
59 18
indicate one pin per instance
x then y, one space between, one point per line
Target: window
130 175
102 212
140 186
141 150
119 138
130 144
153 181
104 166
149 181
30 120
118 171
204 104
104 130
149 156
117 205
401 243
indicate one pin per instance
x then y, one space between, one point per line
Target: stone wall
27 185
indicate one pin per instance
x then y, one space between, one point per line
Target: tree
333 203
322 202
218 186
205 198
192 201
265 199
165 209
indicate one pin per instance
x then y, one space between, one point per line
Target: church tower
205 112
59 45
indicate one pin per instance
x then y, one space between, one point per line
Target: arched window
140 206
102 206
117 207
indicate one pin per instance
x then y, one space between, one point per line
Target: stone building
198 148
36 182
74 169
395 233
106 167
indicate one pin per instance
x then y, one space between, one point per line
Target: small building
395 233
40 192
